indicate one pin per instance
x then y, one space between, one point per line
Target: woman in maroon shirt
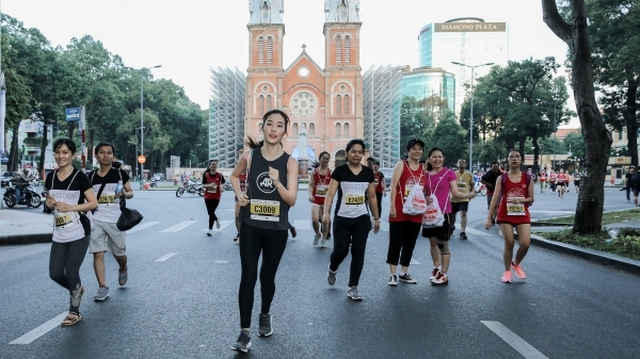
212 182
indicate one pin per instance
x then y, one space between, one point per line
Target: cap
413 142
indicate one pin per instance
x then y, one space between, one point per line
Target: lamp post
142 117
195 148
471 118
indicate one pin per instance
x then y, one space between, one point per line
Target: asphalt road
181 299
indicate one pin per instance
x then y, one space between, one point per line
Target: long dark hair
252 143
429 166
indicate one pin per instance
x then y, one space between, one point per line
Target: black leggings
253 241
356 232
212 205
379 198
402 242
64 267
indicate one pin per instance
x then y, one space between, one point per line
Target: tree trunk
13 156
630 118
597 139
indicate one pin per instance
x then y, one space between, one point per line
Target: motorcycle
227 186
28 196
480 188
153 183
190 186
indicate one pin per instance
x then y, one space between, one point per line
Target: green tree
451 138
615 49
597 139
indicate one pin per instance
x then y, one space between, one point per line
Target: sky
189 37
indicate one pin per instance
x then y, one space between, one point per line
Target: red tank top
514 213
216 191
321 186
408 178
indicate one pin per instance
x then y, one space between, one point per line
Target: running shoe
243 343
463 235
440 279
294 233
264 325
208 232
434 273
506 277
393 280
323 244
101 294
331 277
217 224
519 272
354 294
316 240
407 278
236 238
122 277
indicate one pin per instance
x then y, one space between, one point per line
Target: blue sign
73 114
4 159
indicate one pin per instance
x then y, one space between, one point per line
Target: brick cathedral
326 103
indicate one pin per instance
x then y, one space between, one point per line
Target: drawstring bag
416 203
433 216
129 217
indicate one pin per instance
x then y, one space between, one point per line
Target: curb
18 239
593 255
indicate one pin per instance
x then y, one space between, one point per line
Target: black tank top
266 209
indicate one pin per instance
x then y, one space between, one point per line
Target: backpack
504 183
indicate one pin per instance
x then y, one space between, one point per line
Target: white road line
301 224
141 226
179 226
166 256
514 340
477 232
41 330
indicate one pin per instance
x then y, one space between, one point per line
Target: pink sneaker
434 273
506 277
519 271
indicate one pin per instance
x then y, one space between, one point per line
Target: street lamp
142 116
471 119
195 148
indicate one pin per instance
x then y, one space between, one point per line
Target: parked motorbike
190 186
28 196
480 188
227 186
153 182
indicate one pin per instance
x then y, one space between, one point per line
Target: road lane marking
142 226
517 343
179 226
166 256
41 330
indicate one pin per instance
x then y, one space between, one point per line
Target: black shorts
576 183
560 184
459 206
441 233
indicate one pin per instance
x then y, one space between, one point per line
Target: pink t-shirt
440 182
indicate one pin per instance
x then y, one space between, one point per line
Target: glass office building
470 41
424 82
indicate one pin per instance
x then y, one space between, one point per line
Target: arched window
261 50
295 129
270 50
338 104
347 49
269 102
312 130
261 105
346 104
338 130
338 49
346 130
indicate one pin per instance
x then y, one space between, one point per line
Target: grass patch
626 243
607 217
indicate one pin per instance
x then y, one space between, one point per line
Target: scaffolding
382 98
226 115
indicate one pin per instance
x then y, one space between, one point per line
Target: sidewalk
19 227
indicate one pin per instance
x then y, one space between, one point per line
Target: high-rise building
470 41
425 82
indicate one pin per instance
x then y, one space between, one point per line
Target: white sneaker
217 224
208 232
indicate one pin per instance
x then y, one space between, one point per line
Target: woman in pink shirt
441 182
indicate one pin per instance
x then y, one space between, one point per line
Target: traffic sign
141 159
72 114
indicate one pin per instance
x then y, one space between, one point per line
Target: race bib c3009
265 210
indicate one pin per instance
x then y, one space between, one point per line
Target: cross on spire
304 47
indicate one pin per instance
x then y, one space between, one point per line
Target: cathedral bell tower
265 71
